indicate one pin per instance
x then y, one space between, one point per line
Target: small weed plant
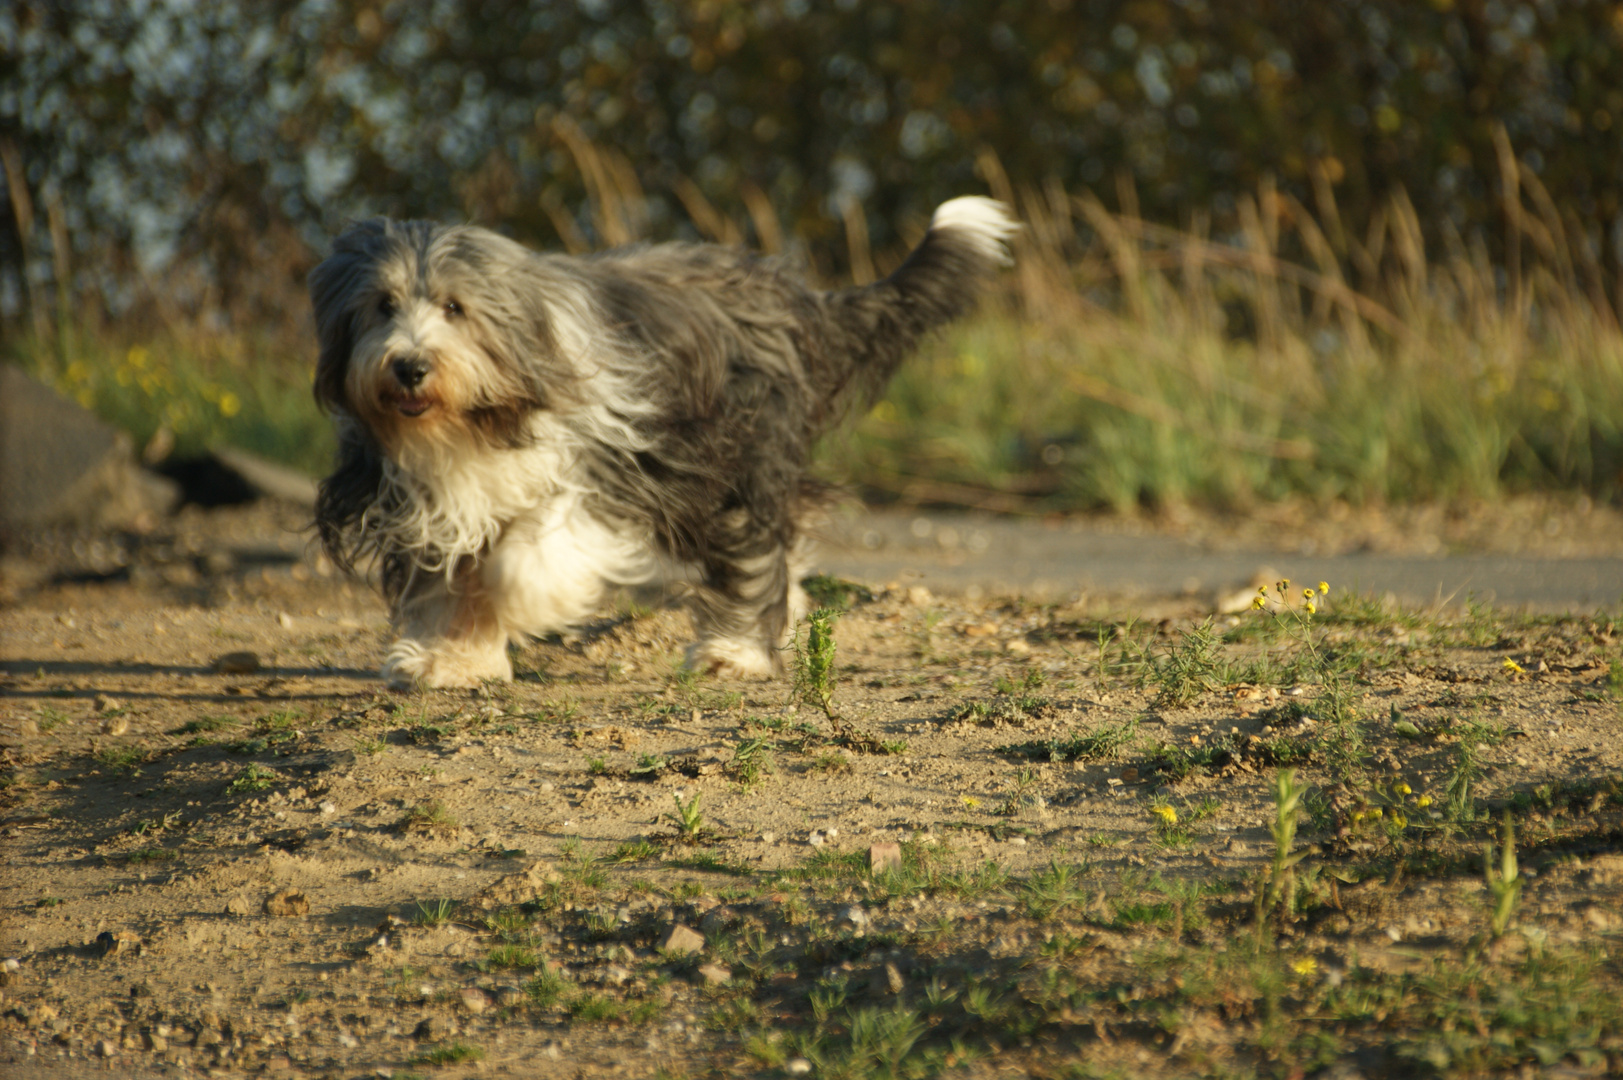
1504 880
815 671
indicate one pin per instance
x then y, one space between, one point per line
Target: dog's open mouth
412 406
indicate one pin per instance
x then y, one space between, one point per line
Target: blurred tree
205 152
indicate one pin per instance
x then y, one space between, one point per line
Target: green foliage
430 817
1504 881
1103 743
814 661
451 1053
1278 890
689 819
253 778
1189 668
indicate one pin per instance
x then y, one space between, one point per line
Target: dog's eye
453 310
386 306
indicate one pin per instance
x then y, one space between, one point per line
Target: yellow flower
971 802
1424 800
1399 820
1324 587
1403 789
1262 590
1510 667
1305 966
230 404
1260 602
1312 608
1167 814
1307 594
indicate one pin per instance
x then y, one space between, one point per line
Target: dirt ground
229 849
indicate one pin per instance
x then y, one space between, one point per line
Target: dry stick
1510 177
706 218
22 208
1338 292
856 241
768 231
607 212
563 223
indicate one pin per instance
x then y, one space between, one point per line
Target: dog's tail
875 327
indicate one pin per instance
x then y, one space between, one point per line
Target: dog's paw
732 659
443 666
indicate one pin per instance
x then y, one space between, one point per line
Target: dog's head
431 335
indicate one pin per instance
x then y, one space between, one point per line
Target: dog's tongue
413 406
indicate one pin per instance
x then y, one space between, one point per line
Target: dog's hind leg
451 634
742 608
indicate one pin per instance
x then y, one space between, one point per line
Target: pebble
115 725
107 704
327 807
854 914
474 999
886 856
239 905
680 940
108 942
715 974
237 663
797 1066
433 1029
288 902
10 963
106 1048
509 997
769 838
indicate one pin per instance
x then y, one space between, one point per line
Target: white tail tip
987 222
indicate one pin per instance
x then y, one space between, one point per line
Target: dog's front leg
450 633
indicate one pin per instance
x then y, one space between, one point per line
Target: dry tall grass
1126 362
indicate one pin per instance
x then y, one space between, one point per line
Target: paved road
958 554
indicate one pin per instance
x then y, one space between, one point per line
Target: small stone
1016 647
327 807
816 839
474 999
237 663
28 728
107 704
719 918
1599 918
919 596
288 902
615 975
715 974
109 942
10 963
679 940
888 979
509 997
156 1043
853 915
141 990
107 1048
433 1029
284 620
239 905
797 1067
769 838
115 725
884 857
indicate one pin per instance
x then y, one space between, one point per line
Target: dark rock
62 465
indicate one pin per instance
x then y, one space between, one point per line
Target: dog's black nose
409 371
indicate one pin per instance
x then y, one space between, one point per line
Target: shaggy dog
519 431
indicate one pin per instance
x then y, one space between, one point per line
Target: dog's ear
343 498
336 286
